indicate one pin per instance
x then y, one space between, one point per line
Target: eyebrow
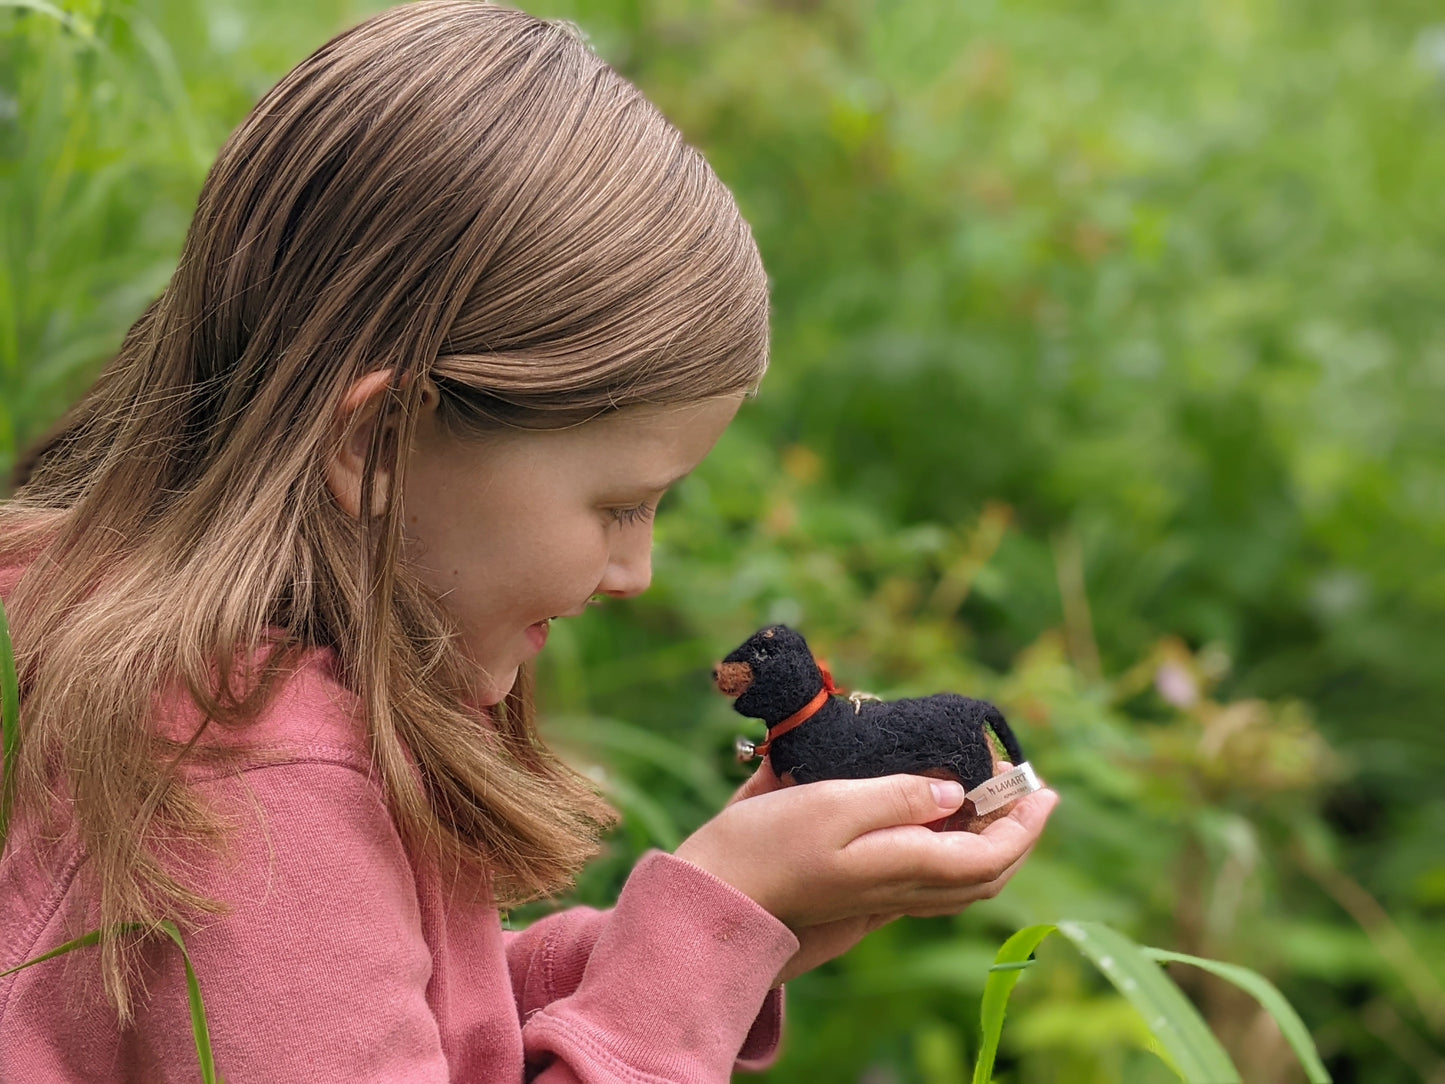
668 484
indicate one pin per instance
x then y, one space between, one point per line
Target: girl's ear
361 411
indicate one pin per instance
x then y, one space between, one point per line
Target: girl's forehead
654 445
664 426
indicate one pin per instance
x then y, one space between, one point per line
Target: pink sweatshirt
342 959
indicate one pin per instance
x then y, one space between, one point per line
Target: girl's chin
492 691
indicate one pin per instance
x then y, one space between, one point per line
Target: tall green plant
1183 1039
10 732
9 727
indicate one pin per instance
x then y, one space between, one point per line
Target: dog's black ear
748 649
786 639
785 675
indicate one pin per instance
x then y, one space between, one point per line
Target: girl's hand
838 858
816 944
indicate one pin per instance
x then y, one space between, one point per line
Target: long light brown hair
452 190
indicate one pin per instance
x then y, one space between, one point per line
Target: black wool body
941 734
815 734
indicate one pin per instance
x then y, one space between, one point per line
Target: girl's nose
629 569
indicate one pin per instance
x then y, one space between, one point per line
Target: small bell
745 749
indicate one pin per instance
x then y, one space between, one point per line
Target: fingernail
947 793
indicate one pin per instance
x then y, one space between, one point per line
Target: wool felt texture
774 676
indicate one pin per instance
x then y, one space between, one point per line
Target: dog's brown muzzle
732 678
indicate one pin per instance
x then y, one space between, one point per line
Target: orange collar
802 715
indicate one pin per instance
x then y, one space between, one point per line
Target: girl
457 306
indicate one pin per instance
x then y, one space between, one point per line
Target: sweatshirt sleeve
673 984
548 958
319 968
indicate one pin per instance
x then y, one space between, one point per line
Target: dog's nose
732 678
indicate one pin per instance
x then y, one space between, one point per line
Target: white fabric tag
999 791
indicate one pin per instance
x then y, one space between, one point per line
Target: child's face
526 526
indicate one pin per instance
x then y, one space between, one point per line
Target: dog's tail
999 725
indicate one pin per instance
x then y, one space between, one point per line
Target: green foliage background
1108 382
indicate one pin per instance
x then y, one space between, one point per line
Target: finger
934 901
760 782
1009 840
958 859
878 921
857 806
1026 819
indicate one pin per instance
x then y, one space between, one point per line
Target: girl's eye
638 513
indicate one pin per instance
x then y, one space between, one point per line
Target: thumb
760 782
865 805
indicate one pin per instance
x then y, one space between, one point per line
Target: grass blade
83 941
1268 995
9 726
199 1028
200 1031
10 744
41 7
1191 1047
1002 978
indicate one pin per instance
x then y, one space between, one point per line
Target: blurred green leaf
1268 995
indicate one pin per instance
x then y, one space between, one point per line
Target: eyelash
638 513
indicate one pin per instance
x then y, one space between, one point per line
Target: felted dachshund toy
815 733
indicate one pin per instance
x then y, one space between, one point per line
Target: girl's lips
537 633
